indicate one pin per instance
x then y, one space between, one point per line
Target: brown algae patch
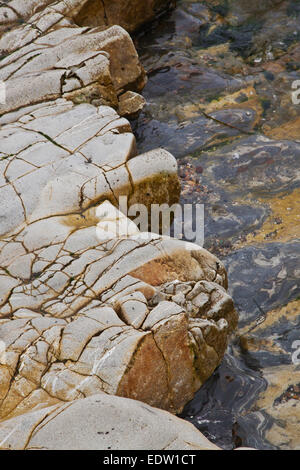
290 312
246 98
283 224
289 130
283 407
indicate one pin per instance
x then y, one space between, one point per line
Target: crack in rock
86 315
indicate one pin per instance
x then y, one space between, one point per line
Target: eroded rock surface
100 423
129 14
58 164
51 57
84 312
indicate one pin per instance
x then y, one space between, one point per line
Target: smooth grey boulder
101 422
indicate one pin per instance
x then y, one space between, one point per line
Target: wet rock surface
220 97
88 313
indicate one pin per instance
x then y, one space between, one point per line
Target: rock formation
130 14
101 422
85 315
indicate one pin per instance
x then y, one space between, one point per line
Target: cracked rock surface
84 314
78 425
130 14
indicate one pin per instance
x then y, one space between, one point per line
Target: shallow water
219 99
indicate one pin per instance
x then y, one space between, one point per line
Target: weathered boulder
69 328
101 422
59 59
130 104
85 310
59 159
131 15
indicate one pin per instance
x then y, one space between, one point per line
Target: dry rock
98 423
88 311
